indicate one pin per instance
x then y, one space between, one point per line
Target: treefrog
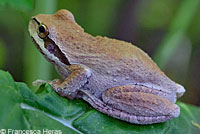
115 77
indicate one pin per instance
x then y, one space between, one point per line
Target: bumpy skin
115 77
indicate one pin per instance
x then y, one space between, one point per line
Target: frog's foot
133 106
40 82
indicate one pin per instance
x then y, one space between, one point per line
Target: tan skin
114 77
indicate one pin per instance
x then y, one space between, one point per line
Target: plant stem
177 30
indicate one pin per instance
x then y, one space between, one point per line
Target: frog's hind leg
127 104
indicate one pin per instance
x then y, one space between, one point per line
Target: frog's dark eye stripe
36 21
54 49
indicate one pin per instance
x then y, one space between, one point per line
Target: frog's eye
43 31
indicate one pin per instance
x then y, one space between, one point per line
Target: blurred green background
168 30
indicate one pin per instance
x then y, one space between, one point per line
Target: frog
115 77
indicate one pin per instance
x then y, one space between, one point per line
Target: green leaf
10 112
104 124
21 108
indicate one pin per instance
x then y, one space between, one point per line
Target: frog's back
123 54
121 63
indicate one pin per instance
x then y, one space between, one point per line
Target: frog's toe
38 82
55 81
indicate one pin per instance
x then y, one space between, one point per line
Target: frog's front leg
78 76
129 104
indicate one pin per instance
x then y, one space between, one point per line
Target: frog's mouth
45 45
